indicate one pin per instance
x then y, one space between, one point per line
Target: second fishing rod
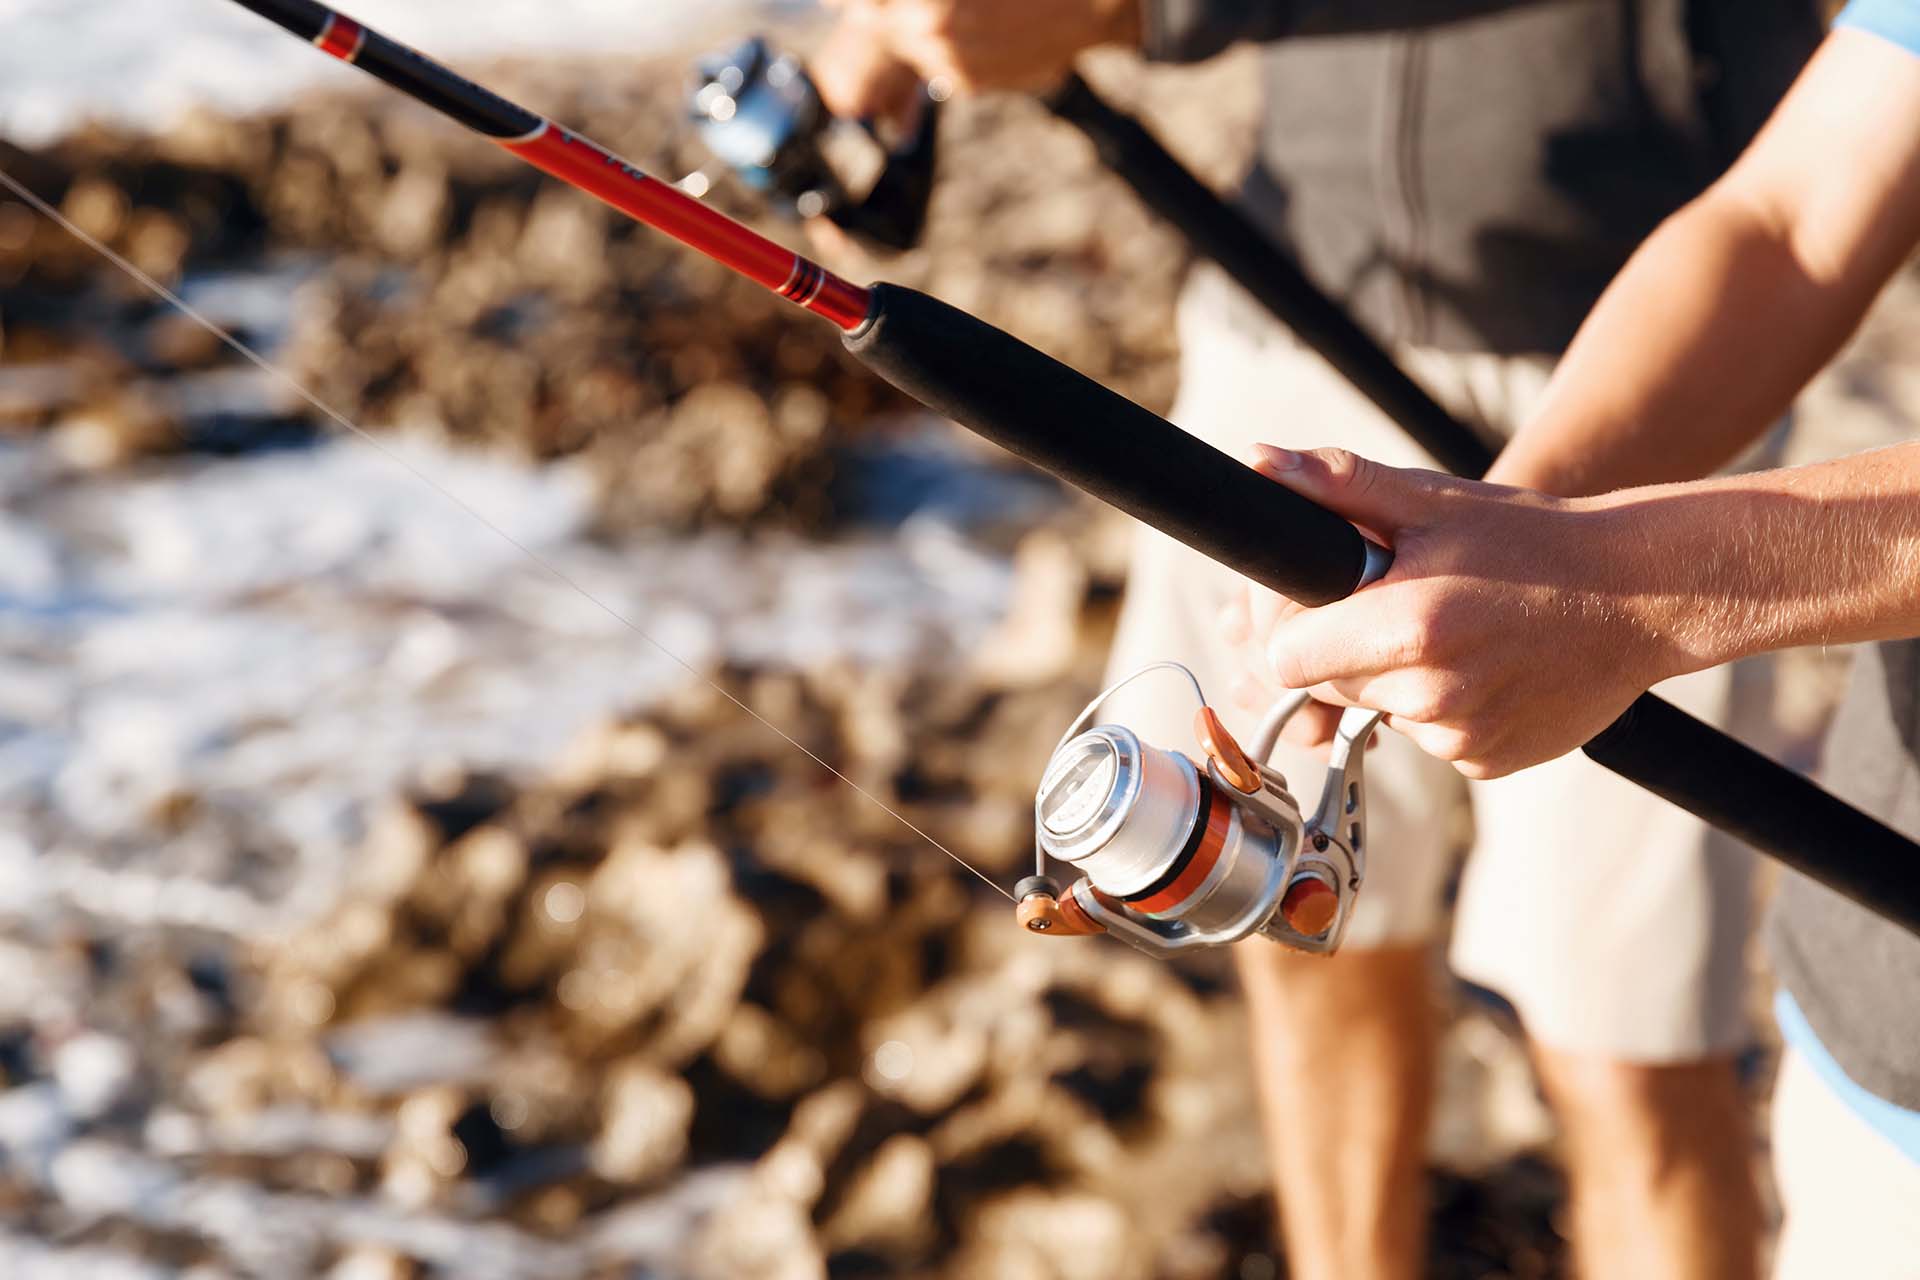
1064 422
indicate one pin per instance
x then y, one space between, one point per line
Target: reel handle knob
1043 909
1310 906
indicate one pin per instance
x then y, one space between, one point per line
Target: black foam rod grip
1777 811
1064 422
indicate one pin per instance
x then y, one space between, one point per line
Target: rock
763 1053
247 1074
413 210
889 1204
157 243
374 1264
96 1073
1039 639
115 428
612 751
1059 1237
644 1134
34 1120
97 207
759 1237
426 1155
180 342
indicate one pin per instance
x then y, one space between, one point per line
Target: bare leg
1344 1051
1660 1161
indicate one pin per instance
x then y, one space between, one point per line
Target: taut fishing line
545 565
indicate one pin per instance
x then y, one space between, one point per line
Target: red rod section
598 172
342 37
578 162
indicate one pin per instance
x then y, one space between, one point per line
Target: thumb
859 75
1371 494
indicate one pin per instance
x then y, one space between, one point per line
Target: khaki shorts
1615 923
1850 1199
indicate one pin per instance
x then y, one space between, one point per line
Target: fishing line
547 566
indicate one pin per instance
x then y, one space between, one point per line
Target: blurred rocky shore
290 988
440 284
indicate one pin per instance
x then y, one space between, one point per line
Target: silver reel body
1175 855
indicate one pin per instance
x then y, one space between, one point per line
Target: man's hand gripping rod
1064 422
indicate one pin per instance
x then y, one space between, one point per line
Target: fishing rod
1091 437
1674 755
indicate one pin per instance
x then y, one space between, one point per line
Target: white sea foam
286 637
266 647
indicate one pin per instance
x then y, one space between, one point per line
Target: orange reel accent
1225 753
1052 917
1310 906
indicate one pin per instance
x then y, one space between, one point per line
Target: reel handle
894 212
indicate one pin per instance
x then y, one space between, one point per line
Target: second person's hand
975 45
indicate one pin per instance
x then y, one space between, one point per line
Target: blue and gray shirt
1850 998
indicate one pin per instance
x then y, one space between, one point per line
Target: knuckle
1343 468
1453 745
1425 632
1434 624
1448 700
1289 668
1428 703
1353 473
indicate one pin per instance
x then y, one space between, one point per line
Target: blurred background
373 906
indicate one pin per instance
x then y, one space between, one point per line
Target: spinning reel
760 113
1174 858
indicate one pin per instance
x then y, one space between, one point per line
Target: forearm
1725 568
1700 344
1709 331
1192 30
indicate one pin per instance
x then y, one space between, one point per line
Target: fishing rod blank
1036 407
1223 233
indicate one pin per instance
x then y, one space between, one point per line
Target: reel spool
760 113
1174 858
